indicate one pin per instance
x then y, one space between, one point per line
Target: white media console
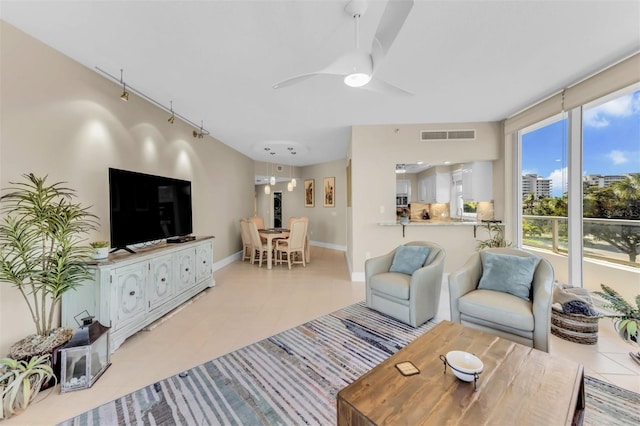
130 291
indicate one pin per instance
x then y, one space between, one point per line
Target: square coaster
407 368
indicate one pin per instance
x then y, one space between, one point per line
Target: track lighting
125 94
173 116
200 131
198 134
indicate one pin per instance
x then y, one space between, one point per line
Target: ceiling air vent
443 135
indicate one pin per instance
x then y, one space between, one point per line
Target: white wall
374 152
61 119
327 225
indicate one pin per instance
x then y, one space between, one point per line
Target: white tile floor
251 303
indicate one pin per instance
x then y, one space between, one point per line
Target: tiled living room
222 97
249 304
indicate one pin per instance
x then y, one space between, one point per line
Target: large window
609 141
611 180
544 179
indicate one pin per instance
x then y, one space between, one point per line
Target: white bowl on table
464 365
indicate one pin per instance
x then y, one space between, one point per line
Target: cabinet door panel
185 269
130 286
160 281
204 258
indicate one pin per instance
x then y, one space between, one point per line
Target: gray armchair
501 313
412 299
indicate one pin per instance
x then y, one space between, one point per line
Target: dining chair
291 219
258 247
294 244
246 239
258 220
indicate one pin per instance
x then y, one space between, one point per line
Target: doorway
277 209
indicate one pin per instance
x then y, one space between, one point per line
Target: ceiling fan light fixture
357 79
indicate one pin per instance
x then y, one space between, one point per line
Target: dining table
275 233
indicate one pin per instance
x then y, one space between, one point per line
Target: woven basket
575 327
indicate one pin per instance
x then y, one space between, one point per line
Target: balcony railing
611 240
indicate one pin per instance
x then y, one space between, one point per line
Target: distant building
602 181
532 184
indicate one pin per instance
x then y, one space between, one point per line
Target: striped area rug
293 378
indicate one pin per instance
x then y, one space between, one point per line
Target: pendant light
267 188
293 180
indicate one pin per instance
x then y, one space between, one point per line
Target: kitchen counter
434 222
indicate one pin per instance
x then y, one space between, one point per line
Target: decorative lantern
85 357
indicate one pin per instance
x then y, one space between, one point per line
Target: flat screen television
147 208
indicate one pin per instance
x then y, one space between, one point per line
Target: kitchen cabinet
477 181
403 186
128 292
435 188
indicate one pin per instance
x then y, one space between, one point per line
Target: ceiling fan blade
381 86
296 79
393 18
345 64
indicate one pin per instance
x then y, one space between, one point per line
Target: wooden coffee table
519 385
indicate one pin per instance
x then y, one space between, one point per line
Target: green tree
620 200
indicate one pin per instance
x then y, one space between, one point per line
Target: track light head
173 114
125 94
199 134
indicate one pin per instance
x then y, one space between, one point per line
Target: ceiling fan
358 66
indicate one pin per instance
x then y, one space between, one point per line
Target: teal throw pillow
409 258
508 273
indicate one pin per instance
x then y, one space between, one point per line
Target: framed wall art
329 189
309 193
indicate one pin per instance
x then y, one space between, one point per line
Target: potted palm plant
43 254
626 317
21 381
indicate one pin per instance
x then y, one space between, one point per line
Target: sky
611 143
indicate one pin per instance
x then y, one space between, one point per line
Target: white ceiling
217 60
